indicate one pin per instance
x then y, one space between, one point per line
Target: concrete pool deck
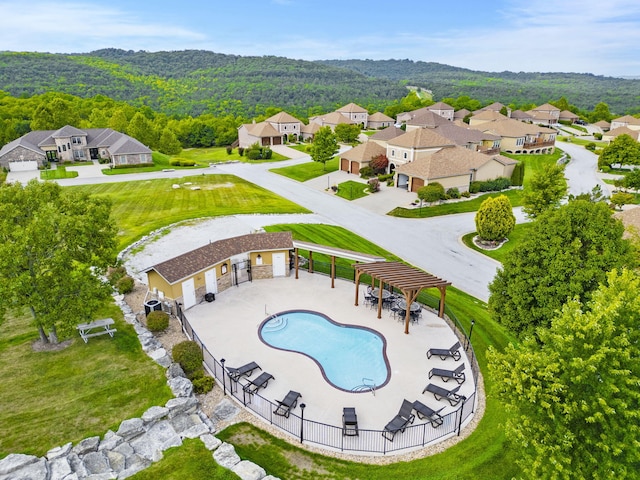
229 329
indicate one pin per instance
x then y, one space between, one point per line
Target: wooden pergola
409 280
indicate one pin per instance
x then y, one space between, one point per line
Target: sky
582 36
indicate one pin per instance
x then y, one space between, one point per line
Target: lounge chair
349 422
454 352
431 415
400 421
439 393
245 370
285 405
457 374
257 383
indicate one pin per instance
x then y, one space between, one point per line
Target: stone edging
138 442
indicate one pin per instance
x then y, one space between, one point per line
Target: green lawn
51 398
204 156
141 207
352 190
308 170
301 147
57 173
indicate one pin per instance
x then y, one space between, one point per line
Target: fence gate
241 272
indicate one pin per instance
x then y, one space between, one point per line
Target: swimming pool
350 357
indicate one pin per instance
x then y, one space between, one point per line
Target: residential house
471 138
567 116
495 107
628 121
307 132
442 109
426 119
379 120
521 116
518 137
452 167
263 133
404 117
219 265
288 125
414 144
616 132
545 114
355 113
332 119
69 144
484 117
360 156
383 136
603 125
460 114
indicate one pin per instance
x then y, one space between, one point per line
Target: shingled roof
364 152
186 265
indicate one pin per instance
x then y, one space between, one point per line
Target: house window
393 153
122 159
520 141
64 148
68 145
76 140
404 155
59 149
78 154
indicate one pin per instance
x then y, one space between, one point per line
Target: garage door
344 164
188 293
416 183
23 166
355 168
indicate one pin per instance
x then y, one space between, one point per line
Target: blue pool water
348 356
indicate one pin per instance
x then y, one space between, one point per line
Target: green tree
346 133
54 244
431 193
623 150
495 219
601 112
573 392
119 121
169 143
324 146
545 190
619 199
517 177
566 254
632 180
142 130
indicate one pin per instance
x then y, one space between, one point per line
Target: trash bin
151 305
209 297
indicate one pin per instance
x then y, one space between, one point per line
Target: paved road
431 244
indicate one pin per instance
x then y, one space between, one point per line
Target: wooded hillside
582 90
193 82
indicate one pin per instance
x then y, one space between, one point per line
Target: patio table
376 293
402 304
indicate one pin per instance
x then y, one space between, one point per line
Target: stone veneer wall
261 272
138 442
27 154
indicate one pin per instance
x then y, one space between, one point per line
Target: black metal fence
415 435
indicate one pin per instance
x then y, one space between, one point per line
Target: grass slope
141 207
307 171
51 398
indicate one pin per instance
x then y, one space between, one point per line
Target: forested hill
581 90
194 81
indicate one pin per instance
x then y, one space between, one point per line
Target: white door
279 265
188 293
211 284
23 166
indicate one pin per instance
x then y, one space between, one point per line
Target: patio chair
400 421
285 405
440 393
349 422
453 352
257 383
244 370
457 374
431 415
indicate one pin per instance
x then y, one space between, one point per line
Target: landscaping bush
517 177
453 193
116 273
496 185
133 165
465 194
431 193
374 185
386 177
125 285
229 150
189 356
175 162
366 172
187 163
157 321
253 154
267 154
597 136
202 383
240 151
590 146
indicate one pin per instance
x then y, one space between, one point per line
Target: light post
224 388
328 182
470 332
302 406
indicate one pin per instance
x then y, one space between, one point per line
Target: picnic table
95 328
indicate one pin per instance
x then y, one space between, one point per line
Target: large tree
324 145
347 133
55 242
623 150
573 392
566 254
545 190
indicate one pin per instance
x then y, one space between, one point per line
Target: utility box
209 297
151 305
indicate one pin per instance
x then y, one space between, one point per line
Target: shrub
590 146
453 193
188 355
495 219
384 178
157 321
175 162
116 273
202 383
187 163
431 193
133 165
125 285
267 154
229 150
379 163
374 185
474 187
240 151
517 177
597 136
366 172
253 154
465 194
